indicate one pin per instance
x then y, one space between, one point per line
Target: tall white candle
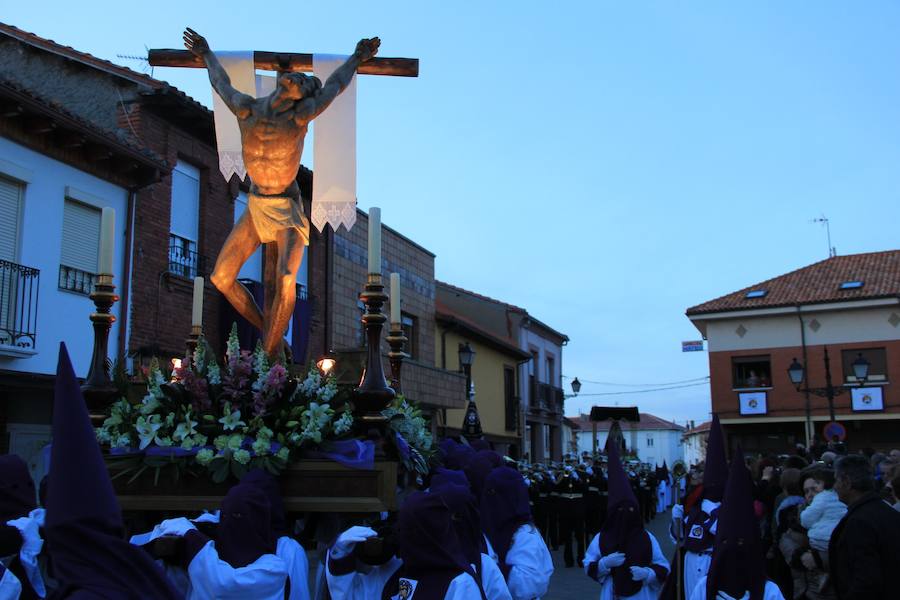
395 300
197 309
375 240
107 240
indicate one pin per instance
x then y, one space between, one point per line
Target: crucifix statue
273 130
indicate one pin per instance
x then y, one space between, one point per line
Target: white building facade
655 440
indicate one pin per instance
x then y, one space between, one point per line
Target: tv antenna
146 67
824 221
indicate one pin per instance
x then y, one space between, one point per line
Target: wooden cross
287 61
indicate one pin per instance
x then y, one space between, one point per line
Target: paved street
573 584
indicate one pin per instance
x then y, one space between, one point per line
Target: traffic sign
834 429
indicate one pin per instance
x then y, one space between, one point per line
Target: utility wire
660 389
694 380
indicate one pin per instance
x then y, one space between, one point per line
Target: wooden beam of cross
287 61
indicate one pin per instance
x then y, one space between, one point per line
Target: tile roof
818 283
511 307
445 314
647 422
159 87
115 138
701 428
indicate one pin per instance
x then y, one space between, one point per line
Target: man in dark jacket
864 552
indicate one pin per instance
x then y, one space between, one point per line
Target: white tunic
369 584
10 586
661 496
771 591
651 588
697 565
294 557
530 564
212 577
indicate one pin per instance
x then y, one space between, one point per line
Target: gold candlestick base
191 342
98 389
396 340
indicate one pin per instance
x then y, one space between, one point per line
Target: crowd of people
813 525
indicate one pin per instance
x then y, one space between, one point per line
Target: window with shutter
80 247
10 203
184 225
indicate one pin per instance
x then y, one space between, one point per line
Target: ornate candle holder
373 394
98 389
396 340
191 342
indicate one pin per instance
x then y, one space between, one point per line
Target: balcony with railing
76 280
19 287
184 260
545 399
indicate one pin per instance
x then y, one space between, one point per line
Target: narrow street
573 584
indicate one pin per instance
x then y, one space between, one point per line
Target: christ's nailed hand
367 48
195 42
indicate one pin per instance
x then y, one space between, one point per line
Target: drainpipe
128 261
808 427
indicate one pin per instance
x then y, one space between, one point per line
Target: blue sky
605 165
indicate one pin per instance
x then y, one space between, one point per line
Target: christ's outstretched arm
310 108
238 102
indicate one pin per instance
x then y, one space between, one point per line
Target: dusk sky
604 165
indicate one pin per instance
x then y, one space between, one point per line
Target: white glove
724 596
31 547
207 517
31 537
348 540
608 562
642 573
178 526
677 512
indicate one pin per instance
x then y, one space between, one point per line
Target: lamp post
471 421
797 374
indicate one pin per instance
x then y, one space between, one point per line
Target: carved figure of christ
273 130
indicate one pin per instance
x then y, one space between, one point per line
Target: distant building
570 430
654 439
849 305
694 440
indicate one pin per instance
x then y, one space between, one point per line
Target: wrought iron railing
19 286
76 280
184 260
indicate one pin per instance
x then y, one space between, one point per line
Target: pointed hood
620 491
504 508
245 527
17 499
715 471
84 531
482 463
738 559
623 528
266 482
472 422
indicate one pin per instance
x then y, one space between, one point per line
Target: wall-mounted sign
868 398
753 403
695 346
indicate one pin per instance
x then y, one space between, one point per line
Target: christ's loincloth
271 214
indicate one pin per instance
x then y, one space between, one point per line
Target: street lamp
576 387
466 358
797 374
471 428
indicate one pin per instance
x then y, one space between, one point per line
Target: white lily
146 429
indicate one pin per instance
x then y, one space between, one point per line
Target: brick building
337 274
848 306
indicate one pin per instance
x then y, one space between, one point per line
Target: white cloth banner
753 403
334 159
869 398
242 72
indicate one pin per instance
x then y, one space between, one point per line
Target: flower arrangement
248 413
